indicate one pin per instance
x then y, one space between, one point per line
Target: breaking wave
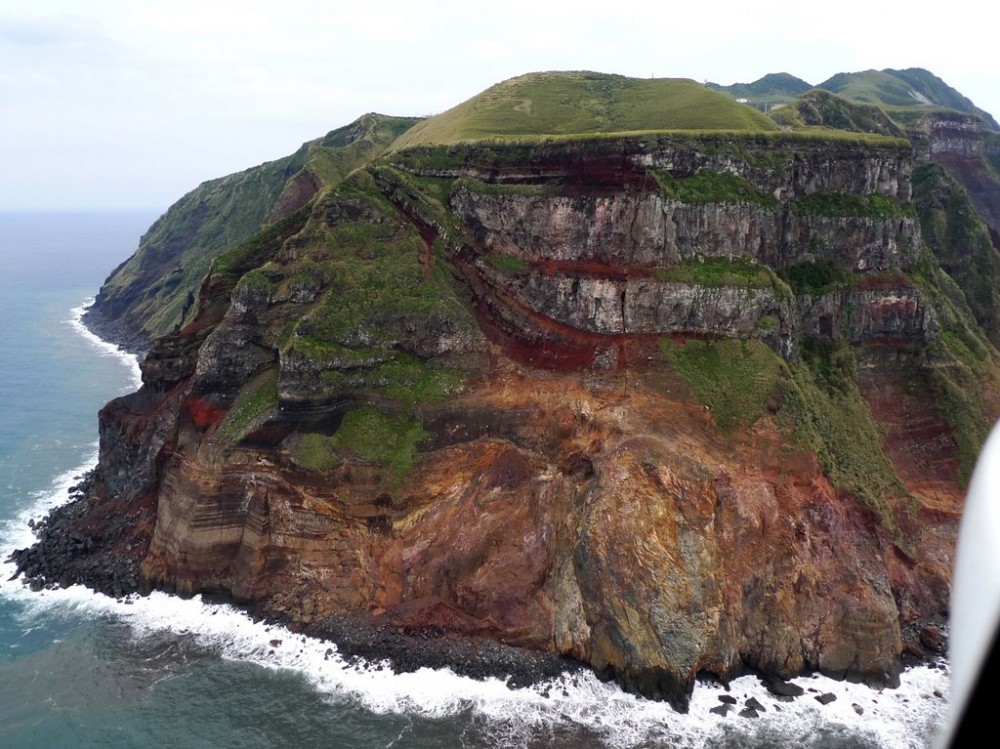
572 706
104 348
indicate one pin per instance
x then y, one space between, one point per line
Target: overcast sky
128 104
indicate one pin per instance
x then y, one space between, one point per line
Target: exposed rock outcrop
483 390
154 292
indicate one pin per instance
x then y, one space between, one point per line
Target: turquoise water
81 670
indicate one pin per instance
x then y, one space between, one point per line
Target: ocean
82 670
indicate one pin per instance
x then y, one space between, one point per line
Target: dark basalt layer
83 543
408 648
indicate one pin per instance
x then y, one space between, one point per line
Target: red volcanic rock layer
572 496
602 519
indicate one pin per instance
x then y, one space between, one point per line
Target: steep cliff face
659 237
154 292
643 401
958 196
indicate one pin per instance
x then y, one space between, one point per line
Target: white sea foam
15 533
905 718
129 361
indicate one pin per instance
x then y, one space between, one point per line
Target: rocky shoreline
70 550
407 649
113 331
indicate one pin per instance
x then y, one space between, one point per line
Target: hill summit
910 90
570 103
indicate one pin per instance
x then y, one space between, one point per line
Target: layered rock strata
455 392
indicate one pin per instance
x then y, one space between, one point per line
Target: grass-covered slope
153 292
340 151
903 93
567 103
819 108
912 87
961 243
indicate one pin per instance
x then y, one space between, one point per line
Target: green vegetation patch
259 249
336 355
367 434
448 160
825 413
411 379
735 379
718 272
256 281
508 263
787 116
956 397
385 303
818 108
438 189
852 205
406 378
314 452
252 405
831 362
307 278
428 197
816 400
341 151
388 440
380 287
382 300
962 365
708 186
814 278
961 243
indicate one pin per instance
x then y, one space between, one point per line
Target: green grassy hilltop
568 103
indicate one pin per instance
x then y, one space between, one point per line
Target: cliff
663 402
958 192
153 292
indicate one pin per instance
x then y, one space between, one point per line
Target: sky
124 105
